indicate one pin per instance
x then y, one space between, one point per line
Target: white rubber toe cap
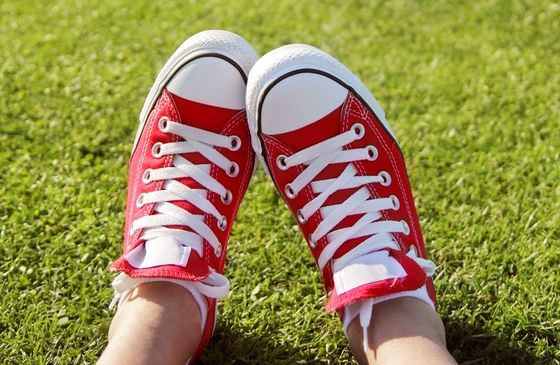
204 44
285 63
300 100
210 80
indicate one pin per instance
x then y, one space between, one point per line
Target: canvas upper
325 142
189 170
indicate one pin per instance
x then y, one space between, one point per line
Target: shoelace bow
168 214
378 232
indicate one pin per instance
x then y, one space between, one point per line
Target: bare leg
402 331
159 323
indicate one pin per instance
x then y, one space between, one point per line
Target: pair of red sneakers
320 135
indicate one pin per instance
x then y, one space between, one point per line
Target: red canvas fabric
390 160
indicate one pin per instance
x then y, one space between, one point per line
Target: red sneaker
190 167
325 142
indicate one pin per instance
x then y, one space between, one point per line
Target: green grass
472 90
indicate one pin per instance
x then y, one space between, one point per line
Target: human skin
159 323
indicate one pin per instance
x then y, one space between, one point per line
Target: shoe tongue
374 275
163 257
370 268
313 133
203 116
327 127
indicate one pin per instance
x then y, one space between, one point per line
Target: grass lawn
472 90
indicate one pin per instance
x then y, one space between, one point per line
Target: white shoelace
168 214
379 232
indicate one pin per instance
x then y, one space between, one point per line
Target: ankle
160 320
157 300
396 324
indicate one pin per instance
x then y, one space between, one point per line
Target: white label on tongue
367 269
158 252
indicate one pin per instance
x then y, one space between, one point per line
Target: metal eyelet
233 170
395 201
146 176
406 228
156 149
412 251
222 223
228 198
300 217
235 143
218 250
281 162
290 193
372 153
359 130
163 124
140 201
312 242
386 178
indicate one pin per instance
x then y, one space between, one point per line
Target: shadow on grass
469 345
229 346
473 345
